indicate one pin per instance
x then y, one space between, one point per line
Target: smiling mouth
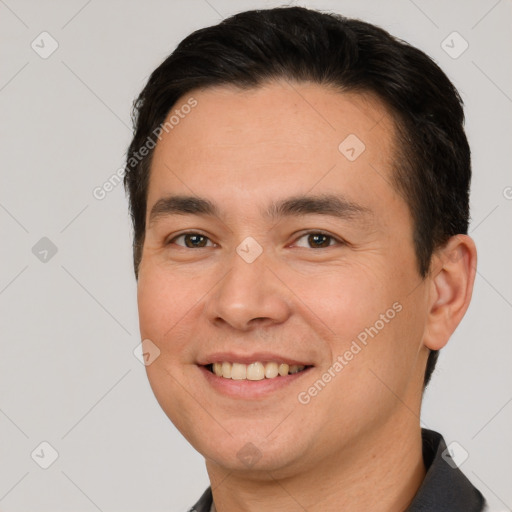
254 371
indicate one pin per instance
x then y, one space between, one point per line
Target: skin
357 444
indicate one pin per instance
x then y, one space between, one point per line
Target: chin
250 453
254 462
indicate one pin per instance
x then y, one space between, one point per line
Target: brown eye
192 240
319 240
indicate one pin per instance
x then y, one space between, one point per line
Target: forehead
296 113
249 142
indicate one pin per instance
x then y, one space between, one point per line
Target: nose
249 296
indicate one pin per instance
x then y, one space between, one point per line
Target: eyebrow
325 204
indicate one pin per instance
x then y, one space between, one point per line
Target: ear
452 276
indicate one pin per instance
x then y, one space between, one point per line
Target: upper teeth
254 371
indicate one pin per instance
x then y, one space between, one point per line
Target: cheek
374 361
166 306
388 365
350 299
375 323
164 298
181 405
163 303
156 304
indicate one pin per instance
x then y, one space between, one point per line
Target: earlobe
452 278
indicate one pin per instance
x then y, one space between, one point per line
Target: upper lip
232 357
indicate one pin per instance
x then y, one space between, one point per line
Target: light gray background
69 326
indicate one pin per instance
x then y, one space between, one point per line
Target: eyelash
322 233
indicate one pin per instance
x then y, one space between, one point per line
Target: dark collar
444 489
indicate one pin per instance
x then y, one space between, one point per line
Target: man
299 188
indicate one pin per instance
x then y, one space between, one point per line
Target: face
293 253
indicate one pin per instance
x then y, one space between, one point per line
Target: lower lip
250 389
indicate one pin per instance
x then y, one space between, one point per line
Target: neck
382 474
